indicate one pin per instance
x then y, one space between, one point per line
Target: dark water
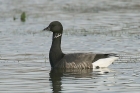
99 26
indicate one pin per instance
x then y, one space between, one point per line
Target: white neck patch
57 35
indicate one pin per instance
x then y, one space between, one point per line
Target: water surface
101 26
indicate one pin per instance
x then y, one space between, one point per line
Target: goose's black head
55 27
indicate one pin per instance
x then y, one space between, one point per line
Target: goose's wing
81 60
76 60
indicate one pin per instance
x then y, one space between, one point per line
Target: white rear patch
105 62
57 35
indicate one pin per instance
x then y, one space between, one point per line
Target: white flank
105 62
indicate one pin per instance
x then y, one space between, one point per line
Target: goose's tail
105 62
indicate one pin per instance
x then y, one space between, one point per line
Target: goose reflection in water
57 76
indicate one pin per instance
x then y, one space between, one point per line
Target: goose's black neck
56 53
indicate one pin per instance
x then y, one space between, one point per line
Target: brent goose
74 60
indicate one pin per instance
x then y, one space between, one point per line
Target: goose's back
76 60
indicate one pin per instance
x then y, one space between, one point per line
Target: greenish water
99 26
